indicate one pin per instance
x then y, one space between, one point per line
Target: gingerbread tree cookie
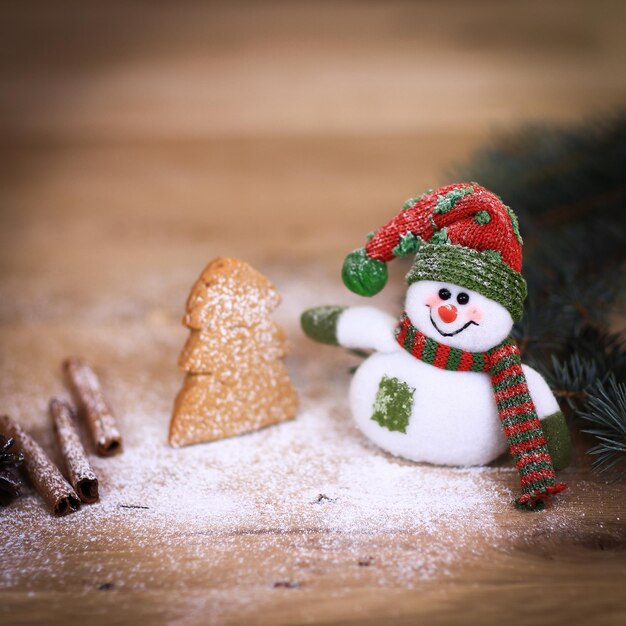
235 380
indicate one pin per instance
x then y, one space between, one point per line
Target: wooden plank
139 141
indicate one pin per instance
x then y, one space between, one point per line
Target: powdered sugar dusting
271 509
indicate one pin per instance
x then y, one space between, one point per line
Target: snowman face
456 316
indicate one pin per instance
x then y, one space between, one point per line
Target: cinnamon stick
48 481
94 407
77 467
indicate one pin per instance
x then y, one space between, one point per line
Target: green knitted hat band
483 272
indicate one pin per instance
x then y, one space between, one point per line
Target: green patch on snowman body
393 404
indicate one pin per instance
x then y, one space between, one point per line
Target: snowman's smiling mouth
456 332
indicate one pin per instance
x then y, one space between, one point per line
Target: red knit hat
461 234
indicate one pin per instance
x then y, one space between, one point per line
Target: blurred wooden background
139 139
308 123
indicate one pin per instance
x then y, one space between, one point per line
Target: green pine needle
605 411
566 186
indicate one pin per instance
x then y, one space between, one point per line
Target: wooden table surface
140 140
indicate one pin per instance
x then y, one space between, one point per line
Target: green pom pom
363 275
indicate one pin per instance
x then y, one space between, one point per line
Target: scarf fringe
538 500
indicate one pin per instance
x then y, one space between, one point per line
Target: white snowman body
453 418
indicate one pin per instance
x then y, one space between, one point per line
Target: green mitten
558 440
320 323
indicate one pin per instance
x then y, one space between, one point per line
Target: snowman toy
445 384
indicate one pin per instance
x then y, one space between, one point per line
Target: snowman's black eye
445 294
462 298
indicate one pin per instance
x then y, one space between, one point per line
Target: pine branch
605 411
573 377
545 171
567 187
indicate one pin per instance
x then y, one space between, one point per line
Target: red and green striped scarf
516 409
